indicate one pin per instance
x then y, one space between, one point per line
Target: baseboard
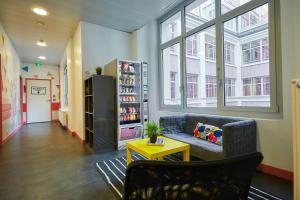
281 173
11 134
74 134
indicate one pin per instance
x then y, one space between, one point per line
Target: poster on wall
35 90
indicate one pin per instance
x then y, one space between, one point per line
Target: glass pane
199 12
172 75
228 5
246 58
171 28
201 69
130 92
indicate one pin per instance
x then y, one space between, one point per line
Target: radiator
63 117
296 136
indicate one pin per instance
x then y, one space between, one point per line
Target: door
38 101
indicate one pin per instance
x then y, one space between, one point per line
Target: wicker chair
163 180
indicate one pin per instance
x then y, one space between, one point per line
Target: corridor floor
42 161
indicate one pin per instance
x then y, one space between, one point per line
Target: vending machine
131 99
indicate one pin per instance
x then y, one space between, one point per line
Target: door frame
1 85
37 79
21 99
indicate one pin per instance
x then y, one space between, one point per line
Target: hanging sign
38 90
25 68
38 64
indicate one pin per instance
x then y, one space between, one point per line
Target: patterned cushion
208 132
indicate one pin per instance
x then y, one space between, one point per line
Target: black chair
227 179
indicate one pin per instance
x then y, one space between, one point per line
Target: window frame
218 22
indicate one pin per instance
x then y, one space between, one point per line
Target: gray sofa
239 135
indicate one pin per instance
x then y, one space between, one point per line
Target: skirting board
281 173
11 134
74 134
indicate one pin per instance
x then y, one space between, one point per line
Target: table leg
186 155
128 155
160 158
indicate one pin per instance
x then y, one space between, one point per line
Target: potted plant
152 131
99 70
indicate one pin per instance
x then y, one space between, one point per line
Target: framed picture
35 90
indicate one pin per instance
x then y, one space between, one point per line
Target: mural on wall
10 91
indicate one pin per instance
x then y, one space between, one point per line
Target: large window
211 86
229 53
226 64
192 86
256 86
230 87
210 47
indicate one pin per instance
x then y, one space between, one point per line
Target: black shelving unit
100 109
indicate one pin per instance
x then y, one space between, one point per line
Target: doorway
38 92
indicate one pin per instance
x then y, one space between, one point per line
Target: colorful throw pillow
208 132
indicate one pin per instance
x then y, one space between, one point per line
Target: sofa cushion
195 142
219 121
209 133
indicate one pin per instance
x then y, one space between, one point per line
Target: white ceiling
20 22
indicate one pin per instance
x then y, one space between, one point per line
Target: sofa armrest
172 124
239 138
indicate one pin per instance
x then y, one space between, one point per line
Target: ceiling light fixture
40 23
39 11
42 57
41 43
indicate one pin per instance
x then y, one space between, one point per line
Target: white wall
91 46
296 26
10 66
100 45
77 96
73 59
274 134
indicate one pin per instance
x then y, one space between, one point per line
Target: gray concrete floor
42 161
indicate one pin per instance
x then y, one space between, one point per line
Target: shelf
90 113
130 113
128 85
129 94
92 131
129 102
127 72
130 122
89 95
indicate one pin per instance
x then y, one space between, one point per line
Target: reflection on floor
44 162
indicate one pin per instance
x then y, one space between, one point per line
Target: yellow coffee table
157 152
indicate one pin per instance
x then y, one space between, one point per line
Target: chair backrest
219 179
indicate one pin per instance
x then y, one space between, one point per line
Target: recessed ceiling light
40 23
40 11
42 57
41 43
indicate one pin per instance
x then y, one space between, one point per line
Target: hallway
43 162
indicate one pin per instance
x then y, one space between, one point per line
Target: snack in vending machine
125 67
